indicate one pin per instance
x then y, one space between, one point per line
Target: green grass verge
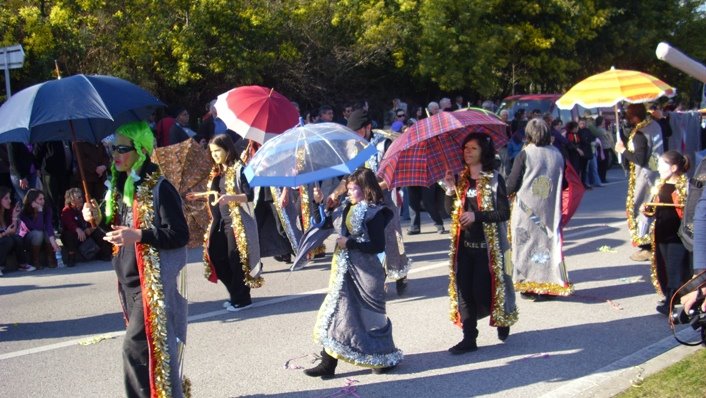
684 379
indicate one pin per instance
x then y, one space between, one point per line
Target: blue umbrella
306 154
77 108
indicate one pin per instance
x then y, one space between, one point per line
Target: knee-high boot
36 254
325 369
51 258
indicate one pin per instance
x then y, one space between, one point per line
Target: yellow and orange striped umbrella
610 87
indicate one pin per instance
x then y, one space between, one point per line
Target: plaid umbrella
421 155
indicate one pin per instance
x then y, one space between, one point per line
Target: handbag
88 248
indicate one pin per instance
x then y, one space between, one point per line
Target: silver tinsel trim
357 224
339 268
396 274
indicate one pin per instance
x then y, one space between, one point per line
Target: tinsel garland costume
642 179
537 255
163 300
503 311
287 216
244 228
658 267
352 324
305 193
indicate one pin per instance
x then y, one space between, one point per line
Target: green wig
143 140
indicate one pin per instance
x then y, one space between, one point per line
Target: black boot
401 285
325 369
503 332
468 344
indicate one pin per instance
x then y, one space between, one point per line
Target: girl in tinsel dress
670 259
352 324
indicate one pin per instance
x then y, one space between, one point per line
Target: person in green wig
149 233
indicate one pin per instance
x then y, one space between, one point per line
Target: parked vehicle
547 103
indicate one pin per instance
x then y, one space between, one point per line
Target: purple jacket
42 222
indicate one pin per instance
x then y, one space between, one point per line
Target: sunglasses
122 149
400 115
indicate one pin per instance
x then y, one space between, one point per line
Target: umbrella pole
617 130
79 160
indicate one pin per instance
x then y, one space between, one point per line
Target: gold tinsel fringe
154 290
630 200
552 289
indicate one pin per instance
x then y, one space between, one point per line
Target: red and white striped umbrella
256 113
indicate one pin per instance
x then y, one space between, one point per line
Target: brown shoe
641 255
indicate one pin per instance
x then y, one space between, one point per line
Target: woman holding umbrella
149 234
352 324
231 248
479 208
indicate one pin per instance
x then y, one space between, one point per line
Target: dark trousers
473 284
135 351
427 195
583 170
10 244
224 254
605 164
55 186
676 267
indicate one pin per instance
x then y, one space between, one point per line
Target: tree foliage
327 51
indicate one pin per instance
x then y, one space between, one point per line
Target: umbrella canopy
256 113
421 155
615 85
187 166
92 106
306 154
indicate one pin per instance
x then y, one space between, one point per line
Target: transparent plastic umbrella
306 154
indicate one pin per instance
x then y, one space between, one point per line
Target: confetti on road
606 249
95 339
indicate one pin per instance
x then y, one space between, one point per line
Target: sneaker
26 268
463 347
226 304
413 231
237 307
641 255
440 229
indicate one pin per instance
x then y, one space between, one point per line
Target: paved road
61 330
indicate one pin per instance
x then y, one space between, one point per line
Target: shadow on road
553 355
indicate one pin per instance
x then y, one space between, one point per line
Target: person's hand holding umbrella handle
619 146
91 213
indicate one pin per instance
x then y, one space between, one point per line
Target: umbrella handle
321 223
